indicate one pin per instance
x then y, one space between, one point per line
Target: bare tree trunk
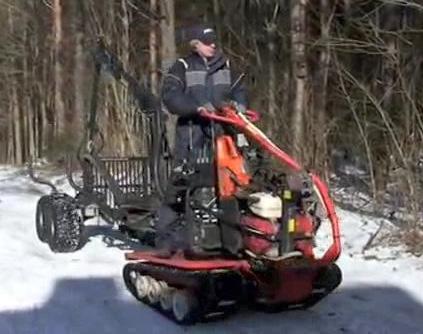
167 28
125 36
31 128
285 87
321 87
386 21
153 49
347 7
14 104
79 77
218 19
168 55
271 89
299 70
46 116
17 126
28 107
127 114
59 105
10 144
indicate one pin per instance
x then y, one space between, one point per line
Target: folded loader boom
122 190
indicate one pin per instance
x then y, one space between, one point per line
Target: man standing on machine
202 81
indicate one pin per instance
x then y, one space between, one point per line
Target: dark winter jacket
192 82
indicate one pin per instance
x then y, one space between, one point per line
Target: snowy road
42 292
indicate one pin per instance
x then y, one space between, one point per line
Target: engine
259 233
275 225
261 226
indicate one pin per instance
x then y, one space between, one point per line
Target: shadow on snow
102 305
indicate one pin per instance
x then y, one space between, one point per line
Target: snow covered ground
82 292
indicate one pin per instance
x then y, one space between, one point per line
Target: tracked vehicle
249 211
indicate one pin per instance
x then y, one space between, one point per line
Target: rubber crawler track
205 285
212 298
328 280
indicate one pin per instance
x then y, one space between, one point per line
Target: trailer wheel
40 219
63 223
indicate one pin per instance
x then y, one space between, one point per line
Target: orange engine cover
231 171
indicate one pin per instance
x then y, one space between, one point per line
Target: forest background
338 82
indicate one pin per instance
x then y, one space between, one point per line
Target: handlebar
253 116
229 114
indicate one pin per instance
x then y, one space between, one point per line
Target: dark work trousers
171 232
191 134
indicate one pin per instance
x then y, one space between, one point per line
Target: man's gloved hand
207 107
240 108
